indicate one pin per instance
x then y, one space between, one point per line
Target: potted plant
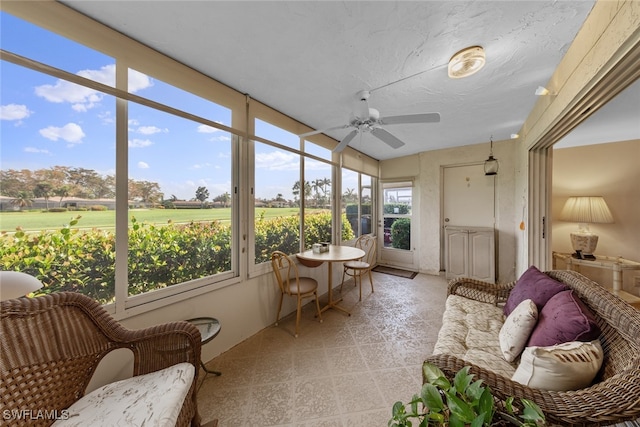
462 403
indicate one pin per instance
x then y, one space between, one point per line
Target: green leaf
486 405
532 412
460 409
475 390
431 398
462 379
431 372
479 421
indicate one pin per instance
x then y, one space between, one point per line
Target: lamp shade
15 284
586 209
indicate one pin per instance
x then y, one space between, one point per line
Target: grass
38 220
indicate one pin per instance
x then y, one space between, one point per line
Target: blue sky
49 122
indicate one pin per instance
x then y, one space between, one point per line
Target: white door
396 229
468 199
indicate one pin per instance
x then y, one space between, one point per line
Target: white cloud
36 150
14 112
201 166
143 165
220 138
207 129
150 130
71 132
139 143
84 98
133 122
277 160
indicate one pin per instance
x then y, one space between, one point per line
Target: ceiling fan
365 119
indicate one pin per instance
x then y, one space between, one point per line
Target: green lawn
37 220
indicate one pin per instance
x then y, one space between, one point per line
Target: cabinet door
457 242
482 255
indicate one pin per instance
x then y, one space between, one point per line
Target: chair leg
279 308
358 278
371 280
344 271
298 312
315 294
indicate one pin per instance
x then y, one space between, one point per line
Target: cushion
568 366
470 330
533 285
564 318
517 327
153 399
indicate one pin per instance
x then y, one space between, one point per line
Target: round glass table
209 328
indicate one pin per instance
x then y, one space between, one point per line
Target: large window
84 170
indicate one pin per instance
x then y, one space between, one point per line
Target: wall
429 185
609 170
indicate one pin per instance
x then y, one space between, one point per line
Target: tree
61 192
22 200
202 194
43 189
224 198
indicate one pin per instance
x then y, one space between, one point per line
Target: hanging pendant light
491 164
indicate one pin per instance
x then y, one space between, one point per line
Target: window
357 203
85 170
397 215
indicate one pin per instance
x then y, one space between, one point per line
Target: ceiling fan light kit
466 62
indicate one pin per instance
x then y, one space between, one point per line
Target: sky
48 122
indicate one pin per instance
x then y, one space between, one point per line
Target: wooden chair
290 283
363 266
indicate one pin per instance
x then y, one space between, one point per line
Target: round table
334 254
209 328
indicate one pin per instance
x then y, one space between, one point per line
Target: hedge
83 261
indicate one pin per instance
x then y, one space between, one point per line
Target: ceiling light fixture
515 136
491 164
466 62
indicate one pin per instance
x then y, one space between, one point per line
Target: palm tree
22 200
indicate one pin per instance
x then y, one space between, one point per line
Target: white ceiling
308 59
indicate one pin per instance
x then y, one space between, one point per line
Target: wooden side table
616 264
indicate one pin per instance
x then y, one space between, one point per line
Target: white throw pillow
568 366
516 329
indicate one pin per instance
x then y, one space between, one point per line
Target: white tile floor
346 371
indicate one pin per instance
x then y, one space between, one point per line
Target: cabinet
470 252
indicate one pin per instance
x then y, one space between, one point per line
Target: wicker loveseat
51 346
613 397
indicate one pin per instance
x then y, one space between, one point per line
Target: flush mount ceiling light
466 62
543 91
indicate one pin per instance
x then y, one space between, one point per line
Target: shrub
98 208
401 233
57 210
83 261
402 208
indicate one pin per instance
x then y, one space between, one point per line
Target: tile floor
346 371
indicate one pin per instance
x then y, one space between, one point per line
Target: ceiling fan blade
345 141
387 138
315 132
411 118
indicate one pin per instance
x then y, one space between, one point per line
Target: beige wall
610 170
428 173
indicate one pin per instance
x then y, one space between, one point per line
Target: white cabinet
470 252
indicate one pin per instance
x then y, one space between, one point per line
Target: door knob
446 220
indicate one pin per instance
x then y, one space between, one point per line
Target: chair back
285 271
368 243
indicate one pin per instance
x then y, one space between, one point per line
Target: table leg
332 303
209 371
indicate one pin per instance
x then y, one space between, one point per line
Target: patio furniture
361 267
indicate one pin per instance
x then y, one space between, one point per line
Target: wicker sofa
51 346
613 397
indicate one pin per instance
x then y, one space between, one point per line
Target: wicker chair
51 346
614 396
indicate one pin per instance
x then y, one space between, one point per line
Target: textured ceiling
308 59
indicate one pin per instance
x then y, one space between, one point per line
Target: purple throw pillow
564 318
533 285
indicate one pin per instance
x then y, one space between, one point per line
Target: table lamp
15 284
585 210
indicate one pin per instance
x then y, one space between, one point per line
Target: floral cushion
517 328
470 331
154 399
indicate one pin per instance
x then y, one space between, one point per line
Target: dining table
335 253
